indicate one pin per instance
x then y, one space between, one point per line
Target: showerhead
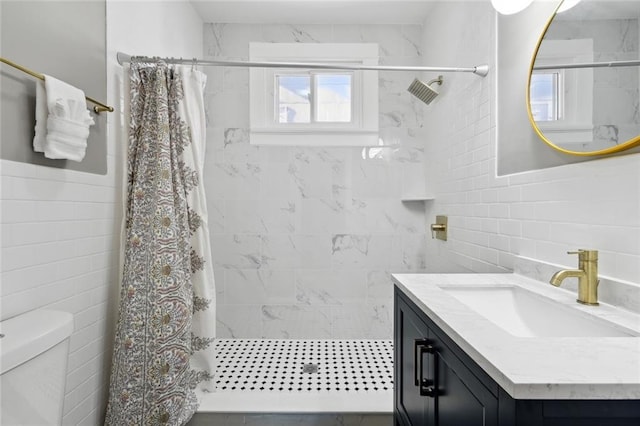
424 92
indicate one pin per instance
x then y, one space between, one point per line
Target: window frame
575 117
265 128
356 112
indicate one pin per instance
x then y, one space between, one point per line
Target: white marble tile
385 216
280 208
321 216
296 322
352 251
280 216
308 33
233 321
235 79
218 276
362 321
313 178
244 217
276 154
412 40
259 286
402 110
314 251
215 220
212 39
376 179
228 109
215 146
236 251
391 83
327 287
389 37
379 287
280 252
230 40
414 181
237 148
414 252
410 137
277 181
232 180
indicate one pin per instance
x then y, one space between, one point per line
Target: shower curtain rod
481 70
612 64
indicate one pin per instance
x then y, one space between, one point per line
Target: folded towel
42 112
67 120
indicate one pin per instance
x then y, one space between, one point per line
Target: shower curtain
166 321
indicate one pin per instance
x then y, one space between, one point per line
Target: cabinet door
411 408
461 399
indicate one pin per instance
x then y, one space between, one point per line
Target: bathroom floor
281 382
279 365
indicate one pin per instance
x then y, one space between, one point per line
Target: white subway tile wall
304 238
60 229
540 214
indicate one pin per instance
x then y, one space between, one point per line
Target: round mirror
584 80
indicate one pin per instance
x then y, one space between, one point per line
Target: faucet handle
585 254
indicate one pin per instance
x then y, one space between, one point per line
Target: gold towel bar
99 106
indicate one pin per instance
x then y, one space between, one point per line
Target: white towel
42 112
62 120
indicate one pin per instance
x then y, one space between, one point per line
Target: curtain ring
194 64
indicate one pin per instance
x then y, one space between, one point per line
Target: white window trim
575 125
362 131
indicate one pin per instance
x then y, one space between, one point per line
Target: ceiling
313 11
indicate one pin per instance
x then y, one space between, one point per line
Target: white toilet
34 348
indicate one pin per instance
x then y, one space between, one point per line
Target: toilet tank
34 348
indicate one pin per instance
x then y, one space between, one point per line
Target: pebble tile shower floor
278 382
304 365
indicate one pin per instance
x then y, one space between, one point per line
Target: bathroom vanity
502 349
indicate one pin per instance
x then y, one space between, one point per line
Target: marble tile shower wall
304 238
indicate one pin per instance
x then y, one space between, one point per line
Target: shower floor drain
310 368
279 365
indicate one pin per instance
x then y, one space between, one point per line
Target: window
546 95
314 98
561 100
314 106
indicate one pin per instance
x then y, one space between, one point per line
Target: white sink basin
526 314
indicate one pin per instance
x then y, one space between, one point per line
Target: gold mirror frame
631 143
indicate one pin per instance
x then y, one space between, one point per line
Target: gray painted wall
48 37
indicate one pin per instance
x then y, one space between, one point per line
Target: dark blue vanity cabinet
437 384
433 385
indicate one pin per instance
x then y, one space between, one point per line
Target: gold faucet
587 274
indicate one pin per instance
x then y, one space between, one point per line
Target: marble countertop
534 367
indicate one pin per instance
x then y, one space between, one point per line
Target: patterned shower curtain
166 324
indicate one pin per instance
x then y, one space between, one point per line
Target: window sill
567 133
